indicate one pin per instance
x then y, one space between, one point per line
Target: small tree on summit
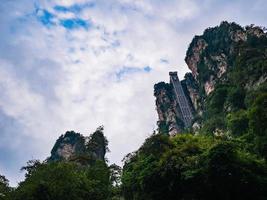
98 143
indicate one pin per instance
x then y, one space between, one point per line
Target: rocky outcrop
191 89
194 56
169 120
211 55
255 30
68 146
73 146
255 84
227 56
97 144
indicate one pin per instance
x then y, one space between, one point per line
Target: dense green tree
68 181
258 115
115 179
212 124
237 122
235 98
98 143
193 167
233 173
4 188
217 100
31 166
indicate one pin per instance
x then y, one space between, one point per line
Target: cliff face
226 63
68 146
191 89
75 147
211 55
169 119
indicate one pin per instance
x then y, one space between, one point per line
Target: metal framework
186 112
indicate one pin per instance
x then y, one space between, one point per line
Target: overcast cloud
78 64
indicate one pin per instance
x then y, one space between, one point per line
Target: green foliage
193 167
81 177
250 62
235 174
141 164
156 145
31 166
163 86
251 95
218 41
230 105
214 123
163 127
115 174
115 179
236 97
258 116
219 37
61 180
260 146
204 73
4 188
215 102
237 122
98 143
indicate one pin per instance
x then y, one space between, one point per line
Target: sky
78 64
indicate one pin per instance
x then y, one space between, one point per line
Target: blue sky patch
131 70
76 8
74 23
45 17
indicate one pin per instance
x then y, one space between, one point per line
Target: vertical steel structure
185 110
